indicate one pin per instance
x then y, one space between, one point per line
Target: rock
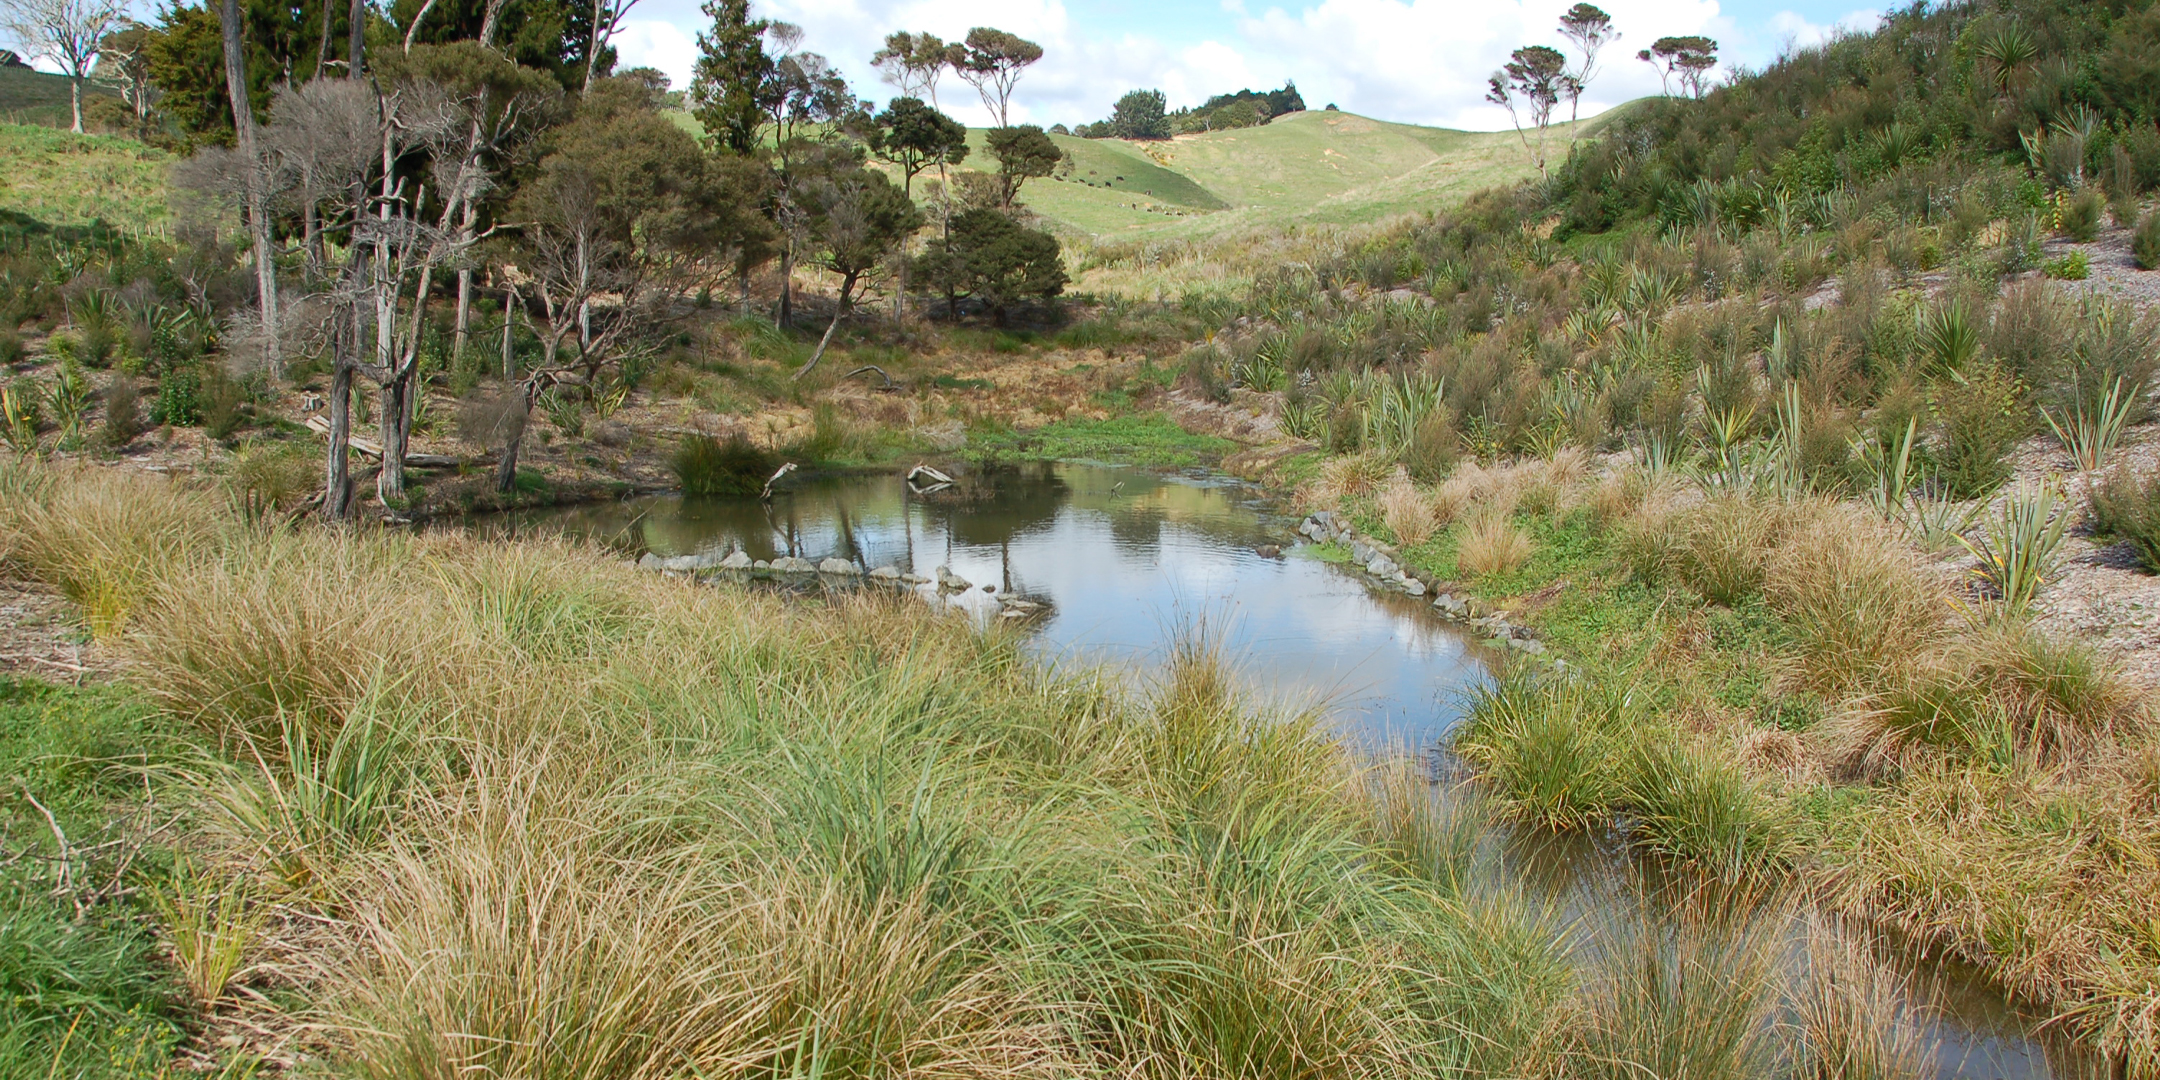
946 579
792 565
1022 605
1451 604
1382 567
1362 552
1268 551
914 579
838 567
989 589
761 565
683 564
736 560
1322 518
885 573
1527 645
1012 614
1414 587
650 561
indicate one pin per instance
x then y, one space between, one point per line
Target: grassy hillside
1312 167
64 179
33 97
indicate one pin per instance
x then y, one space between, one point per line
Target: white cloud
1791 30
656 43
1427 61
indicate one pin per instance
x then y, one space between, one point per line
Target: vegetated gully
1108 565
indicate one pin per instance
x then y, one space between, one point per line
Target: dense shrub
2127 507
2145 242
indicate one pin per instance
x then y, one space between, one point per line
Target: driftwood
373 450
890 387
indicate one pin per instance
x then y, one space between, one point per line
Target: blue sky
1418 61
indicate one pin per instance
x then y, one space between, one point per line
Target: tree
1591 29
913 62
733 85
991 61
1535 78
994 260
565 38
858 220
915 136
1140 115
124 65
70 33
258 216
1023 153
618 219
1689 57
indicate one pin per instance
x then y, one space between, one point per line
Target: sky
1413 61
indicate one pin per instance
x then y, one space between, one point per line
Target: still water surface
1124 560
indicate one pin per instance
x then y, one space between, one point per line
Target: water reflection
1122 558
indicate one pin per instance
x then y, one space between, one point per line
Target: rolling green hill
33 97
1320 167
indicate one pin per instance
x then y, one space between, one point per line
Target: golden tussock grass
1492 544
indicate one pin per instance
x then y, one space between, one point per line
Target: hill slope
33 97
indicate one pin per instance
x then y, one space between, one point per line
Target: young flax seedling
2018 548
2093 429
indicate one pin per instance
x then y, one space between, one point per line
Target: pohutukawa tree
70 33
991 61
1534 80
1689 58
913 63
1590 29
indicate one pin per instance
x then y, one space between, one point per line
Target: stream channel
1118 561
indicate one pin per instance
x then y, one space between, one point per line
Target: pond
1109 566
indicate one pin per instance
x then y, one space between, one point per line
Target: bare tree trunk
257 213
337 473
786 317
75 98
506 469
509 356
356 37
845 284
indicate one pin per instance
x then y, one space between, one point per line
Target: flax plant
2018 548
2090 431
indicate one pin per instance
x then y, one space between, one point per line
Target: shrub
2127 508
179 398
1491 544
1979 420
123 414
223 405
2072 267
705 465
2081 215
2145 242
11 347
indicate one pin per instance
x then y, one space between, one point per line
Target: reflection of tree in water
995 505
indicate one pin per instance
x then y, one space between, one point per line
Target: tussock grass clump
1492 544
104 539
1547 750
1695 998
1858 605
708 465
1696 807
1408 514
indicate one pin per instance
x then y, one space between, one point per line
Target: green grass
34 97
1313 167
83 991
63 179
1149 439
